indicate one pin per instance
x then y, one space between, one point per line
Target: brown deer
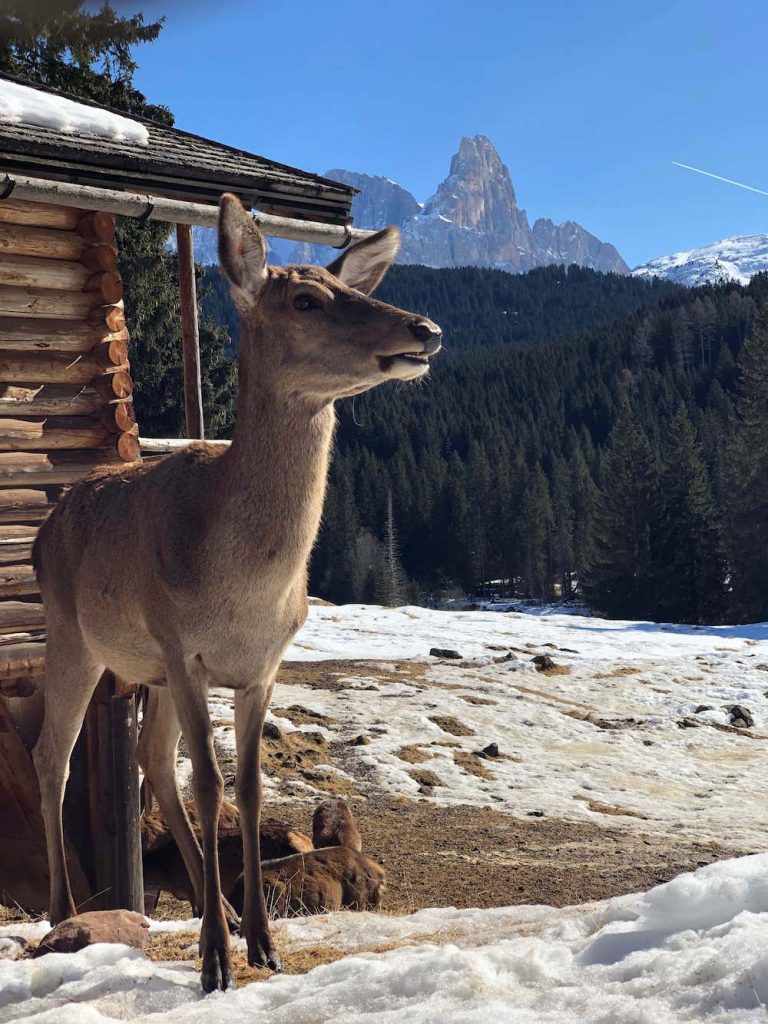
333 825
191 572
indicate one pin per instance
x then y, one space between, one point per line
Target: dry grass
425 777
555 670
471 698
413 754
347 675
303 716
452 725
472 763
624 670
613 810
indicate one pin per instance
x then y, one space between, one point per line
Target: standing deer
191 572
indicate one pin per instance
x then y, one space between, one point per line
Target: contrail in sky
718 177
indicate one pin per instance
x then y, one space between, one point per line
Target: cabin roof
174 163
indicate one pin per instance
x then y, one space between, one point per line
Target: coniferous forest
582 435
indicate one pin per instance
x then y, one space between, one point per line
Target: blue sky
587 102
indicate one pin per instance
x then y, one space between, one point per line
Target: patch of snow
21 104
691 949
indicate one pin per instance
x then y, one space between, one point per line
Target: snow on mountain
473 219
731 259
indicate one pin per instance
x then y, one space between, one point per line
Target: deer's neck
274 473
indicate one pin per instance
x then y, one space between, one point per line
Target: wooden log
14 551
193 388
18 616
97 226
61 367
53 433
18 581
31 272
40 215
26 657
99 257
30 399
111 318
26 504
105 287
22 469
119 417
20 333
129 446
49 304
23 240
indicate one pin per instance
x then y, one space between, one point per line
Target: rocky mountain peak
478 189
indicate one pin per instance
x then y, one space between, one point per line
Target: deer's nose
425 331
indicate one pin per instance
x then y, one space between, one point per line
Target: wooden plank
20 333
25 240
31 272
53 433
22 469
20 616
30 399
45 303
62 367
24 505
41 215
24 657
18 581
193 388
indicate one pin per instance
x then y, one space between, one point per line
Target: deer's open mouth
415 358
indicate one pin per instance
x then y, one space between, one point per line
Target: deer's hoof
261 956
217 969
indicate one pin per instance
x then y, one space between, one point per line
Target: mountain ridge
735 259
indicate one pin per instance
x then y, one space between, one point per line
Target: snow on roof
22 104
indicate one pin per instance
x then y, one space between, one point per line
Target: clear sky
587 101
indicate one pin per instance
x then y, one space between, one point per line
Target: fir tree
690 565
620 580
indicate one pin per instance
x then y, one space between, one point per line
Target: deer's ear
364 264
242 251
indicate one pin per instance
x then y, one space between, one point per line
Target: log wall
65 410
65 395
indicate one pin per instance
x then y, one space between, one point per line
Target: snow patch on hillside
731 259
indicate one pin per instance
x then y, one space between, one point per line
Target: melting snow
21 104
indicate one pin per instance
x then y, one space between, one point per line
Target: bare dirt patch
303 716
348 675
452 725
413 754
471 698
425 777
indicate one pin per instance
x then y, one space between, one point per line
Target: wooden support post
193 388
113 783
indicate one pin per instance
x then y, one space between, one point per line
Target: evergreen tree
690 564
67 46
620 581
747 473
393 584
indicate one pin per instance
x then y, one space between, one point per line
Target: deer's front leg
190 695
250 709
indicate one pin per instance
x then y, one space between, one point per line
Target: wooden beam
41 469
135 204
20 616
61 367
193 388
39 215
24 505
45 303
27 657
113 783
22 240
18 581
22 334
31 399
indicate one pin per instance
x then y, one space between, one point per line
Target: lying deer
191 572
333 825
319 882
164 867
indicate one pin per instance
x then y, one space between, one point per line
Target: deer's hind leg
71 676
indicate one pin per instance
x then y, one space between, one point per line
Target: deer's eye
305 302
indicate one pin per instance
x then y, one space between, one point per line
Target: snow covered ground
692 949
613 733
735 259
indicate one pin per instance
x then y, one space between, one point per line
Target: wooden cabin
66 408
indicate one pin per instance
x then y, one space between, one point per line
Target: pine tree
393 582
690 564
536 537
747 474
620 580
